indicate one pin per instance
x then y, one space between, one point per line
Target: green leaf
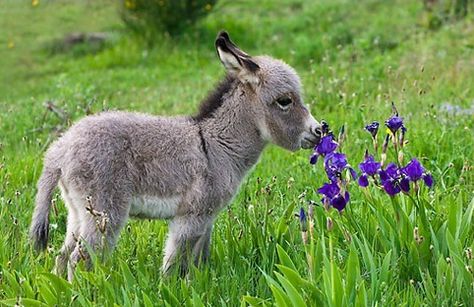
385 269
253 301
361 298
352 273
283 221
46 293
429 287
168 296
59 284
136 302
146 300
128 277
454 218
338 289
369 262
13 287
27 302
284 258
467 220
435 242
280 297
126 297
295 297
197 302
293 276
454 248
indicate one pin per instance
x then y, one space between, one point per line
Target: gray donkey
117 165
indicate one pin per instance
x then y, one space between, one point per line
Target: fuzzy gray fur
115 165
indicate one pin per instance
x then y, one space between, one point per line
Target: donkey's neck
231 135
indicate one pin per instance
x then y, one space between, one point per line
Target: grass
354 58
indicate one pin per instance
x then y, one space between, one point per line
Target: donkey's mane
214 99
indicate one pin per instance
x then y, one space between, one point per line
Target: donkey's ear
235 60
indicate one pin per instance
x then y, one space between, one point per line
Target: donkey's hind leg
72 230
100 228
201 249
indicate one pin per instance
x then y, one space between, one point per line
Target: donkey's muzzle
311 138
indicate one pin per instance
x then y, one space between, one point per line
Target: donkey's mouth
309 143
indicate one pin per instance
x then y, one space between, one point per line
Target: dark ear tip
221 42
223 34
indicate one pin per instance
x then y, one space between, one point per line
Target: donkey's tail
39 229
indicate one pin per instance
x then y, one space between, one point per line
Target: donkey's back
133 152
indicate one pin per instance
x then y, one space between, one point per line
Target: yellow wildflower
35 2
10 44
130 4
208 7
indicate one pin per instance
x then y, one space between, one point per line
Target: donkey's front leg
188 240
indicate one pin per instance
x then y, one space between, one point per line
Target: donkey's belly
154 207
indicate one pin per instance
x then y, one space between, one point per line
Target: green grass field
354 57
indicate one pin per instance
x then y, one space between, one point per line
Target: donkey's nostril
316 131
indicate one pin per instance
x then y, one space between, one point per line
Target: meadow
354 57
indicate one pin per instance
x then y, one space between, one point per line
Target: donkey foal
117 165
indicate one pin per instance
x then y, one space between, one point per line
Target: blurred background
137 48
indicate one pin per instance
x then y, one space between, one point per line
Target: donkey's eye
284 102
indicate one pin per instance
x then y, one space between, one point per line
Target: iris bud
329 224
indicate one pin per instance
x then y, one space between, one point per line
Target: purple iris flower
414 171
332 195
394 123
363 181
373 128
390 178
335 164
390 172
325 147
391 187
369 167
405 184
339 202
329 190
428 179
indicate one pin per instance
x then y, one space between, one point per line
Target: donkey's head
273 91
